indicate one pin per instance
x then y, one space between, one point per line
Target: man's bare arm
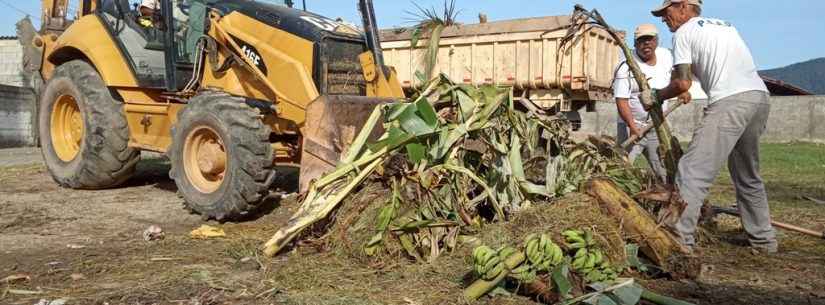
626 114
679 83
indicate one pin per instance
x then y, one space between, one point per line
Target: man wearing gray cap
734 120
656 64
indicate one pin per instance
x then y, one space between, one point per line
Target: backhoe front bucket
332 124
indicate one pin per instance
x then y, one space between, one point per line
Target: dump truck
228 90
532 55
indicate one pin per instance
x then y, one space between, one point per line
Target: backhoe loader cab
227 89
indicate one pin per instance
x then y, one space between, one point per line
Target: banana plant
465 150
430 23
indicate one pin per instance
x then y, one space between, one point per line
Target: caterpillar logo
252 55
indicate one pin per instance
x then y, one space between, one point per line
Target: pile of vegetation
456 161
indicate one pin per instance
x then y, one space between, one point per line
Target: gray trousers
649 145
729 131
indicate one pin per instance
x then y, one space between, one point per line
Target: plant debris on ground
453 160
121 268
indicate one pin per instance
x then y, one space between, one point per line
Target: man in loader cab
151 17
735 118
150 9
656 64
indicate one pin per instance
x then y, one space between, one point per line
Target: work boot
769 248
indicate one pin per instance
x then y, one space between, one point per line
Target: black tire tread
253 154
106 160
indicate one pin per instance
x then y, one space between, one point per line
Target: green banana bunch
592 265
603 273
578 239
587 259
553 256
581 259
524 273
505 252
542 252
531 249
595 276
487 263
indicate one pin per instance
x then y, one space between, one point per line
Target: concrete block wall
18 116
797 118
793 118
11 62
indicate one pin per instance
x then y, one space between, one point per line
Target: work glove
653 97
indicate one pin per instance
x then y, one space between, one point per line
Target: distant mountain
809 75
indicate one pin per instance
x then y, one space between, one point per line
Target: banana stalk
669 149
432 51
434 22
319 209
482 287
541 291
655 242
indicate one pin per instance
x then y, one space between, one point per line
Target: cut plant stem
432 51
656 243
482 287
541 291
669 149
311 213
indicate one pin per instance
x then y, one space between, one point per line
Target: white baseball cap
667 3
646 30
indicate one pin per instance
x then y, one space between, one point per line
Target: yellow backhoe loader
228 90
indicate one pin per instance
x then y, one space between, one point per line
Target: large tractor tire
83 130
222 160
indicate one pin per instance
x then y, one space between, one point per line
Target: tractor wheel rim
67 128
204 159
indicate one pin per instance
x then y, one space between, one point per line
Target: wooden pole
633 139
781 225
794 228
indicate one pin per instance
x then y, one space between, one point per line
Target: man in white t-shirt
656 64
735 118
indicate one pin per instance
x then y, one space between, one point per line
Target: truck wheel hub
204 159
211 158
66 128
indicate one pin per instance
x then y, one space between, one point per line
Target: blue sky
779 33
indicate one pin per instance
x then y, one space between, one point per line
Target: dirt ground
87 247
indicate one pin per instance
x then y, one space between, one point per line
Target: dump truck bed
523 53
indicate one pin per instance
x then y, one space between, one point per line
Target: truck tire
221 157
83 130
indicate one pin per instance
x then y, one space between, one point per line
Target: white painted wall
11 61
